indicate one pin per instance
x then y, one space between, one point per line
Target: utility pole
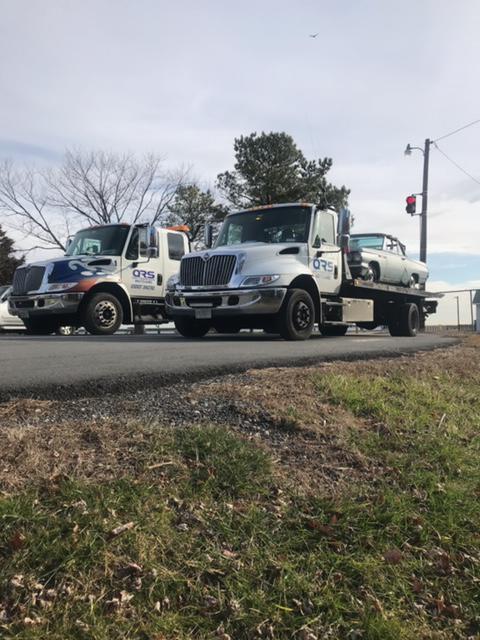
423 215
424 194
458 312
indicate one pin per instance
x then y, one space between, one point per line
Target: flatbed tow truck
283 269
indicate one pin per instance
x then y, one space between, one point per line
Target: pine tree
8 261
270 169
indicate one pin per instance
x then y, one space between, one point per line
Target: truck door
143 277
175 247
395 266
325 258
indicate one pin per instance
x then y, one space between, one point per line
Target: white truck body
125 267
283 268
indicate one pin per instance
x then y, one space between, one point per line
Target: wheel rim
302 316
105 314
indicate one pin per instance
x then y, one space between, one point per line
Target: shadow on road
213 337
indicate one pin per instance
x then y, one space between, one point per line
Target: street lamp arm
409 150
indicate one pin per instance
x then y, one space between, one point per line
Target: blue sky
184 79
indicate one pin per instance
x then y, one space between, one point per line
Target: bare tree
89 188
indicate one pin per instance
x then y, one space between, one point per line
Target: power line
456 163
447 135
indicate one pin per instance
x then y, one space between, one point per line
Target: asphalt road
55 365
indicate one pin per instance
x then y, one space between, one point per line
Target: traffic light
411 205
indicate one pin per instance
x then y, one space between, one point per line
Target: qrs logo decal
319 264
141 274
325 267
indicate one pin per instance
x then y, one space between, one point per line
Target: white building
476 302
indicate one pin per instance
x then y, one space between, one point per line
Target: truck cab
110 274
265 260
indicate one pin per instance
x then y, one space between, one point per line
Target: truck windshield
105 241
282 224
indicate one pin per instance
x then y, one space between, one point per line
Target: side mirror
208 235
68 242
148 242
317 243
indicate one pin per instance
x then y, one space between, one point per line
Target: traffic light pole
423 215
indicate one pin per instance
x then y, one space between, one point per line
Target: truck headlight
172 282
258 281
61 286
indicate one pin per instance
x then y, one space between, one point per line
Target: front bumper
44 304
226 303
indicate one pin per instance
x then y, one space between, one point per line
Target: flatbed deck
351 286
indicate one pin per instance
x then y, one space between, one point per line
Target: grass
222 545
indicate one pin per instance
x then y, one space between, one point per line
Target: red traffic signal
411 205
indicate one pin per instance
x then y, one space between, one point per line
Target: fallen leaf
121 529
417 586
393 556
324 529
17 541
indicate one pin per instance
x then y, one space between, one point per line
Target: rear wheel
405 320
297 315
333 329
40 326
103 314
191 328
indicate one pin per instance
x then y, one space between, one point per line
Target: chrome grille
27 279
216 271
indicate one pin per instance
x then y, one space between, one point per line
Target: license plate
203 314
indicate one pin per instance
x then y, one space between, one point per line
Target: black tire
191 328
40 326
65 330
372 274
412 283
405 321
333 329
225 327
103 314
297 315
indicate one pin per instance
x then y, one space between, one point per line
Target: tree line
97 187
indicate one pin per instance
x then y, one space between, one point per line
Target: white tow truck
283 269
110 274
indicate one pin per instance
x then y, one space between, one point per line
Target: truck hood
75 268
258 258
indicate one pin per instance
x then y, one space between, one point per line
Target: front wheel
40 326
225 327
191 328
297 315
372 273
103 314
